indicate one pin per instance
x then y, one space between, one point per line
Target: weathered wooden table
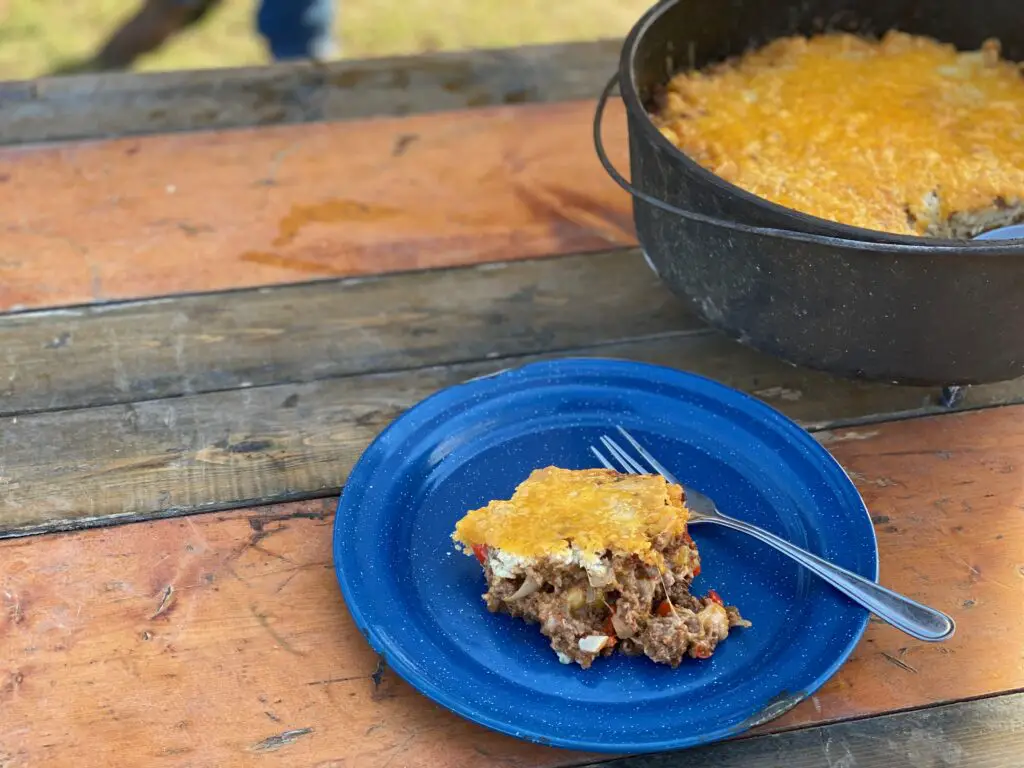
202 329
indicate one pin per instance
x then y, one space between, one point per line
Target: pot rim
631 96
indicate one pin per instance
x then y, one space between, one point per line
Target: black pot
694 33
819 294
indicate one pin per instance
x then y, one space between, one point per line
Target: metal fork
915 619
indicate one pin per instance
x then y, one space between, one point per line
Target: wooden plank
74 468
985 733
221 640
100 355
120 104
178 213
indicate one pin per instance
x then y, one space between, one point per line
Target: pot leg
951 396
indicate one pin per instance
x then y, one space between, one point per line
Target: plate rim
769 710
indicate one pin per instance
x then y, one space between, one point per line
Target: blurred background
38 37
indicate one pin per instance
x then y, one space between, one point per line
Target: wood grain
101 355
219 450
985 733
121 104
221 640
97 221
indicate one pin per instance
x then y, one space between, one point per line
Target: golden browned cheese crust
905 135
596 510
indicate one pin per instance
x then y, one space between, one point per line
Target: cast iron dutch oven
823 295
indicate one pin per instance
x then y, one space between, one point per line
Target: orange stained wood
221 639
93 221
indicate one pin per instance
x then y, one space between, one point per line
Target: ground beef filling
637 608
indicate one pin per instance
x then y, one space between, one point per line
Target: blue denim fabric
297 29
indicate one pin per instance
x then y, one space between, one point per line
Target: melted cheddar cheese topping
895 135
591 510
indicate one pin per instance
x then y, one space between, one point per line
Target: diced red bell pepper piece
480 550
664 609
715 597
609 629
701 651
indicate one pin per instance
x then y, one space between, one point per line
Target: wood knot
273 743
166 602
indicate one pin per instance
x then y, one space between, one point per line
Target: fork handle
915 619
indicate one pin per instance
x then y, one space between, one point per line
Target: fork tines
628 463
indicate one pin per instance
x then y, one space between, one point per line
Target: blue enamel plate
418 601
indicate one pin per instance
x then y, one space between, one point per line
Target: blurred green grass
37 36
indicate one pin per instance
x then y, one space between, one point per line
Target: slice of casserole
602 561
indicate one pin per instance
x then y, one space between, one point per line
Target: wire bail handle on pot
639 194
602 155
621 180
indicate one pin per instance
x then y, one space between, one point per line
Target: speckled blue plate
418 601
